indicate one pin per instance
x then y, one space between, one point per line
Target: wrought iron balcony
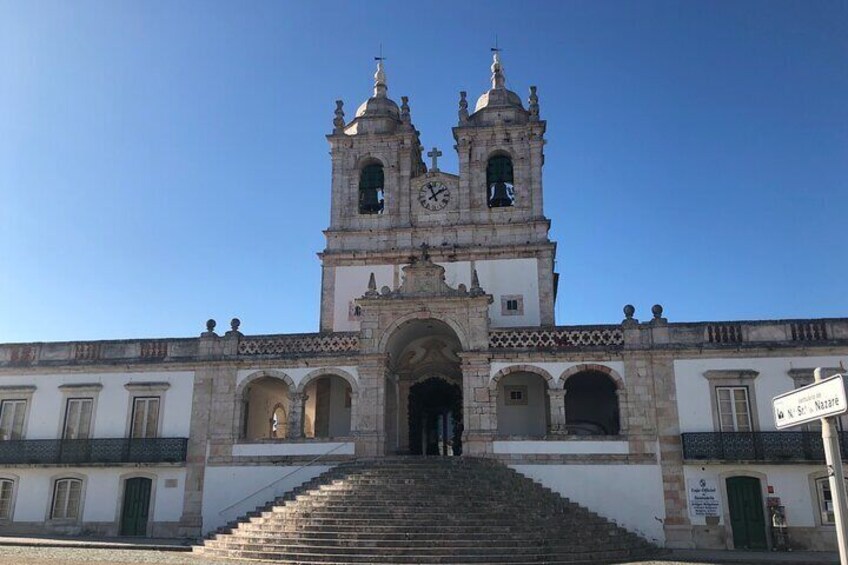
770 447
97 451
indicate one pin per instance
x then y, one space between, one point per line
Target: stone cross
435 154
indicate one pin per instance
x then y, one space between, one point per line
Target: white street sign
818 400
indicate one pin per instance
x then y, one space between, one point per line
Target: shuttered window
7 488
66 499
12 414
78 418
734 410
145 418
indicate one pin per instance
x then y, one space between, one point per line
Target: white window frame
733 378
145 389
824 517
13 480
734 413
18 405
79 431
146 416
79 391
16 392
51 511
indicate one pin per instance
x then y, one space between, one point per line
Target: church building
437 355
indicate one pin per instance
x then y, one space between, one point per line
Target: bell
369 202
500 196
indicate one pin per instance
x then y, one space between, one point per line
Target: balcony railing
772 447
100 451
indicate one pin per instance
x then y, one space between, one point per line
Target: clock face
434 196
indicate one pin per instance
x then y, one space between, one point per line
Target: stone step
397 510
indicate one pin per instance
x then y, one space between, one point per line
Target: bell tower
486 222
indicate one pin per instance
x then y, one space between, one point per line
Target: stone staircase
424 510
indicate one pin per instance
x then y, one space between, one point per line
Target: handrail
286 476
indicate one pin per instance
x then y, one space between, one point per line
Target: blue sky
164 162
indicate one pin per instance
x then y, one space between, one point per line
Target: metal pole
833 458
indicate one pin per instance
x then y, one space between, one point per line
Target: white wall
102 492
497 277
791 484
112 408
631 495
352 283
693 389
224 486
529 419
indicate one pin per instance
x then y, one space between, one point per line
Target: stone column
556 399
295 424
480 420
623 420
369 427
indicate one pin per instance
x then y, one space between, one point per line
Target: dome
378 106
498 98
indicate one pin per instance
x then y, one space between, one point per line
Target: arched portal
424 388
591 404
435 418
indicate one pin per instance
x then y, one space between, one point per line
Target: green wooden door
744 496
136 507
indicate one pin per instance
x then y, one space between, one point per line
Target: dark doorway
136 506
591 404
435 418
745 499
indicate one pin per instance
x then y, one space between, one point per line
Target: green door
136 507
744 496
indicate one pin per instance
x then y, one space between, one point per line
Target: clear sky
162 163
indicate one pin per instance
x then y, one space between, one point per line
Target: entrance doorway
745 501
136 506
435 418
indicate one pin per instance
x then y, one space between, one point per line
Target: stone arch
620 401
327 371
611 373
239 417
273 373
461 334
549 378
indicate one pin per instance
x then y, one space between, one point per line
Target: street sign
812 402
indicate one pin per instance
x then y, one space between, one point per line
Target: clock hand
431 190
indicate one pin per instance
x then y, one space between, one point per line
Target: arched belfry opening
424 389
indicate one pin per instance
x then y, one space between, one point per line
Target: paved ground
47 555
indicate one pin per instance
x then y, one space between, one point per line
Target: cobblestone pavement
10 555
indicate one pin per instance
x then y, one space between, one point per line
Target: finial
657 311
534 105
380 87
372 287
210 325
498 79
404 109
476 290
235 323
338 121
629 310
463 107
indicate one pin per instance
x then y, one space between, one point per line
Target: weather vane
380 58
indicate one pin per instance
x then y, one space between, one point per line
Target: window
515 395
734 411
145 417
825 499
66 499
371 189
500 191
12 415
7 488
512 305
78 418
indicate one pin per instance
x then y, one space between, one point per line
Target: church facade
437 338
